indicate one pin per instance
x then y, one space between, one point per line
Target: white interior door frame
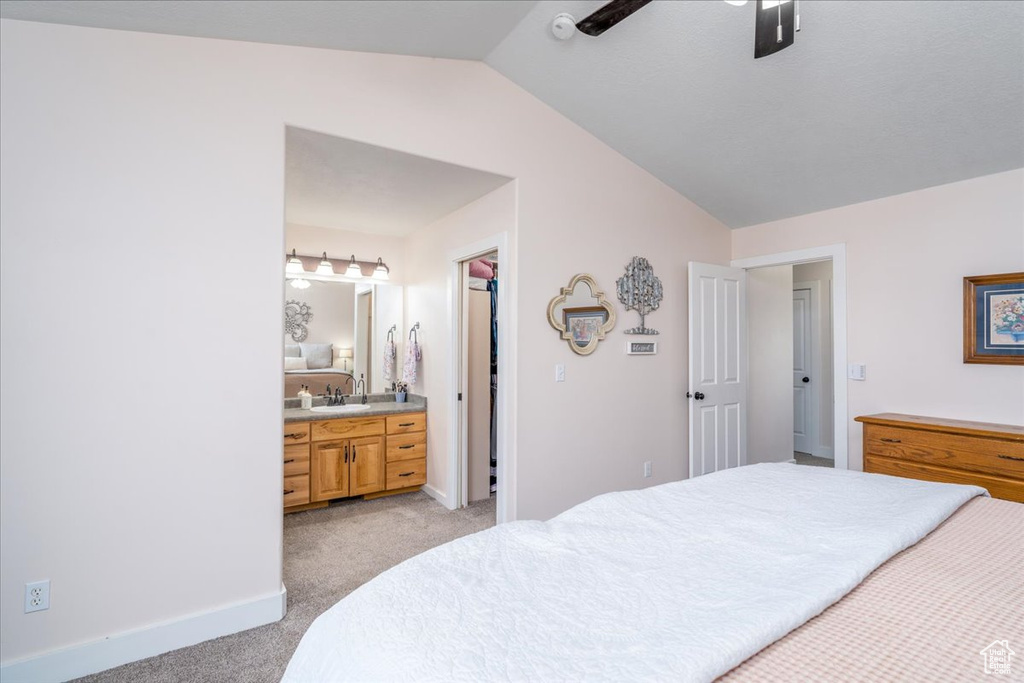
458 456
837 253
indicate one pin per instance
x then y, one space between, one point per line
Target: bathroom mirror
581 314
355 319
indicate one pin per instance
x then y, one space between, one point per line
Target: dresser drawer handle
406 474
295 435
289 460
1010 457
892 440
406 424
287 491
403 448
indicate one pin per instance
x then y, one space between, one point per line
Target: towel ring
412 333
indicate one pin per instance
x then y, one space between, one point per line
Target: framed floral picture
584 322
994 319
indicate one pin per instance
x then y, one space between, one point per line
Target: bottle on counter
305 398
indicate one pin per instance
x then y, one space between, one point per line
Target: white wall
119 146
821 272
907 256
429 257
770 364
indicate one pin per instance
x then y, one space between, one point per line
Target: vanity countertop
415 404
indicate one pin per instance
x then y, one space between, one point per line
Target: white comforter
679 582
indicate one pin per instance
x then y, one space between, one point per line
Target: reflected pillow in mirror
292 351
292 363
318 355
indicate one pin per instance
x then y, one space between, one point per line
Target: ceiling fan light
325 267
294 265
353 271
381 272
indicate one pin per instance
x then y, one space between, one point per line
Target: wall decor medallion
639 290
994 319
581 314
296 316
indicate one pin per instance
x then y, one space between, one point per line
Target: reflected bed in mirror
581 314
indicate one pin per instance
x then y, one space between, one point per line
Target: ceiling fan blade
609 15
766 28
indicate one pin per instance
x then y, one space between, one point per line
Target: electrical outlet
647 468
37 596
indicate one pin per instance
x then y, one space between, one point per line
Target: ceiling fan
773 31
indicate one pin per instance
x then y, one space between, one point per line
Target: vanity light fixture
294 266
353 271
381 272
325 267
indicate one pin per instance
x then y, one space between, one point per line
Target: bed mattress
925 615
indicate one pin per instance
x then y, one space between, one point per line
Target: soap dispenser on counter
305 398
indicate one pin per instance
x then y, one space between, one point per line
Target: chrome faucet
363 383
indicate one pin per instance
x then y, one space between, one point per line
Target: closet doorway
480 322
479 369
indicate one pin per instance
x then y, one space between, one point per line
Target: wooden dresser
953 451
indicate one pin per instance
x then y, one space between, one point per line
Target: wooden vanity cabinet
347 467
353 456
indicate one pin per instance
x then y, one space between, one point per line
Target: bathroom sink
340 410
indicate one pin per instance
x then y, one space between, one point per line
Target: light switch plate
559 372
857 371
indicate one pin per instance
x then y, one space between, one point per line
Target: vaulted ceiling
873 99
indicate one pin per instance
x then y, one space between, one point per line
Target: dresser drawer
296 432
972 453
296 490
998 487
406 473
407 422
348 428
411 446
296 459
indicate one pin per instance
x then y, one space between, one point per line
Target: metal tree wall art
296 315
639 290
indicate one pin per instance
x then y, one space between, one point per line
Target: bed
317 381
739 574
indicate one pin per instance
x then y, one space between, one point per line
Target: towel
412 357
390 355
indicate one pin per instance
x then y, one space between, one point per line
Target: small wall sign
641 348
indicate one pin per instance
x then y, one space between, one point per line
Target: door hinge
460 395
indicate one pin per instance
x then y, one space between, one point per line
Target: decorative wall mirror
581 314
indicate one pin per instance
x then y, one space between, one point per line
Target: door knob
805 380
699 396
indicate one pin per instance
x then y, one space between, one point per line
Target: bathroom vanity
377 451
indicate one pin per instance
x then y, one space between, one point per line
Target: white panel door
805 380
718 368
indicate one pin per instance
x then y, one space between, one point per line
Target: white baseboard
440 497
149 641
826 452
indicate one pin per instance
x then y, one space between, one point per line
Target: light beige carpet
327 554
812 460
